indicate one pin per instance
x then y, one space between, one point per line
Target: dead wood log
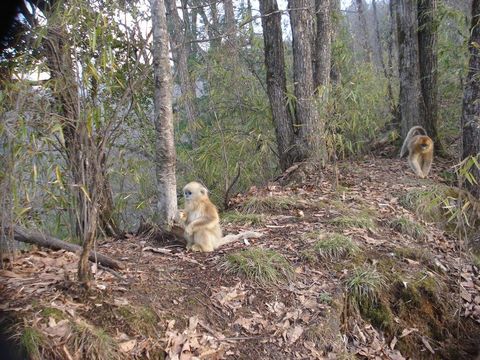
35 237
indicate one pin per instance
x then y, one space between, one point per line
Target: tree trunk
364 28
471 103
392 10
382 61
211 27
186 20
60 64
410 91
335 15
311 140
37 238
251 32
427 44
165 155
180 52
276 81
216 30
323 44
230 22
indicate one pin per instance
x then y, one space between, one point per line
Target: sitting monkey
202 223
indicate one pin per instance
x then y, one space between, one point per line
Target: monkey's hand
181 217
188 230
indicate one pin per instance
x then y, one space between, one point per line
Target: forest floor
360 268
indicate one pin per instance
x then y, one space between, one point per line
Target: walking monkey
420 151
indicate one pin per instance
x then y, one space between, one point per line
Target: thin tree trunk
211 27
380 57
364 29
61 67
251 32
276 81
215 24
186 19
311 129
230 22
323 44
193 24
335 16
410 91
180 52
165 155
392 10
427 49
471 103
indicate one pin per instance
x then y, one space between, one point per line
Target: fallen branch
37 238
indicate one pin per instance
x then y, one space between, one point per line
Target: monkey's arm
427 164
415 164
201 223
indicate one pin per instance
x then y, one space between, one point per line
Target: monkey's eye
188 193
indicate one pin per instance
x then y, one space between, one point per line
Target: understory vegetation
291 116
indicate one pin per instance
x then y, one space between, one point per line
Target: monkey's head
194 191
424 143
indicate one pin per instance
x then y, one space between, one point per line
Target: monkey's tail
227 239
415 130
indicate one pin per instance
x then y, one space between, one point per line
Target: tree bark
382 61
392 10
410 91
251 32
364 28
230 22
427 47
181 52
165 155
37 238
311 129
323 44
276 81
471 103
335 23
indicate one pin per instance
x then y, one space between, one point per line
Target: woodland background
255 89
292 114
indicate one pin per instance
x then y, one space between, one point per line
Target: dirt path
421 300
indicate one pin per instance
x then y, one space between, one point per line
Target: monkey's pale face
194 191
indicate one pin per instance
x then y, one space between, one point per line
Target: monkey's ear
203 191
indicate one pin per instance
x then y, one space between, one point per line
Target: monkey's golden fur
202 223
420 151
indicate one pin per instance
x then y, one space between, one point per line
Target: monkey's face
194 191
425 143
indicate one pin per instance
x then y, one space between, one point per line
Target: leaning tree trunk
471 103
311 137
411 111
276 81
427 41
323 44
364 29
165 155
180 52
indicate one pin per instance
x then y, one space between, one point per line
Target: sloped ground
400 288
